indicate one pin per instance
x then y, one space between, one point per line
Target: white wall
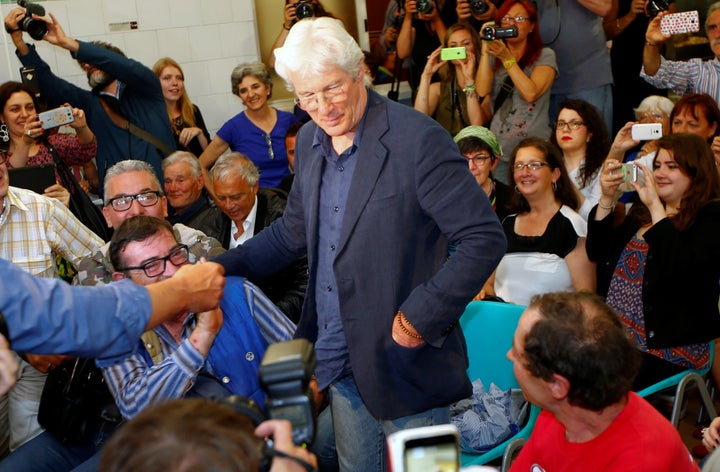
207 37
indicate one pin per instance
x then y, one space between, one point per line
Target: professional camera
304 9
424 6
656 6
478 7
491 32
37 29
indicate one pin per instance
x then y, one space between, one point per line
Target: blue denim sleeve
48 316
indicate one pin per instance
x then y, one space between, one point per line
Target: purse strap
505 89
123 123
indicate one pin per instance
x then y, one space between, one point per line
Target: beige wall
269 15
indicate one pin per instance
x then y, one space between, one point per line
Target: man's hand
202 285
404 333
13 19
8 366
653 35
207 327
281 433
56 35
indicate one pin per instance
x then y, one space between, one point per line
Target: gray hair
655 103
235 165
314 47
256 69
130 165
711 9
185 157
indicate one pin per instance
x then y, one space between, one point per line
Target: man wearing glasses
131 188
375 203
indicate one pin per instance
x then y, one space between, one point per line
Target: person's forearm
279 41
440 28
20 45
599 7
404 42
484 76
85 135
651 58
422 99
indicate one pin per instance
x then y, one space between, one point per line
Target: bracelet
648 43
9 31
286 28
509 63
606 207
402 320
469 88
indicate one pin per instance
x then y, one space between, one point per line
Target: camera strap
505 89
123 123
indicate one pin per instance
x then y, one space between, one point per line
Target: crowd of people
341 222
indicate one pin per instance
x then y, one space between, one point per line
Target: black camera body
285 373
304 9
478 7
424 6
37 29
656 6
491 32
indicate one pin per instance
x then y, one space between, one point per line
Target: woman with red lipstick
546 237
258 132
660 268
581 135
185 117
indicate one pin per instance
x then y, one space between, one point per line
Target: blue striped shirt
691 76
136 383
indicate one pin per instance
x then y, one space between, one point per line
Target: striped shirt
34 229
135 383
691 76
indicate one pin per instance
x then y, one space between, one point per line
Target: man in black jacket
243 210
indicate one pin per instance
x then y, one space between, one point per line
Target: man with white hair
375 206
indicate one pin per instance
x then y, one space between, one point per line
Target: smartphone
35 178
425 449
452 54
646 131
680 23
57 117
631 173
28 77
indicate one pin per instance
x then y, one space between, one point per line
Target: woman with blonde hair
187 122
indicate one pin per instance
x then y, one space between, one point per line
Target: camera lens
35 28
478 7
488 33
424 6
303 10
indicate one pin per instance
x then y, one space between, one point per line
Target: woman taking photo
313 8
517 81
22 134
581 135
185 118
258 132
546 237
659 269
452 102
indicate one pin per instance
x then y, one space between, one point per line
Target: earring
517 190
554 186
4 133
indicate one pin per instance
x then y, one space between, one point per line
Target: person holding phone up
27 135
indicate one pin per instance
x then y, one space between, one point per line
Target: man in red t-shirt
573 358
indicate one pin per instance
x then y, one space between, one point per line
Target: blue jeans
599 97
359 436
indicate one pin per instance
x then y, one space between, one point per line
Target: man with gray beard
124 85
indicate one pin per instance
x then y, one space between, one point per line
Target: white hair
654 103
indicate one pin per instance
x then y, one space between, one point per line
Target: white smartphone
425 449
680 23
646 131
56 117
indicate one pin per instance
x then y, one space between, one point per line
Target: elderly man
574 360
375 206
185 189
118 83
34 229
244 211
131 188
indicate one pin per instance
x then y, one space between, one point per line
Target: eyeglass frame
135 197
572 125
479 158
331 94
515 19
532 165
179 249
268 141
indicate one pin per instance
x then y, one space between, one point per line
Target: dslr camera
492 32
304 9
424 6
37 29
656 6
478 7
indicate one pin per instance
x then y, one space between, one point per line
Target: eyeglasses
177 256
652 116
332 94
271 152
573 125
513 19
478 158
532 165
124 202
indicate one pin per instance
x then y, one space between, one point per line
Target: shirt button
651 334
332 247
226 379
336 209
329 288
341 168
250 356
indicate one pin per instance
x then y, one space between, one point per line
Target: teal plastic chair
681 382
489 328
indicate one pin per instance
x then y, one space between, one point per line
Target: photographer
118 83
517 82
296 10
202 436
